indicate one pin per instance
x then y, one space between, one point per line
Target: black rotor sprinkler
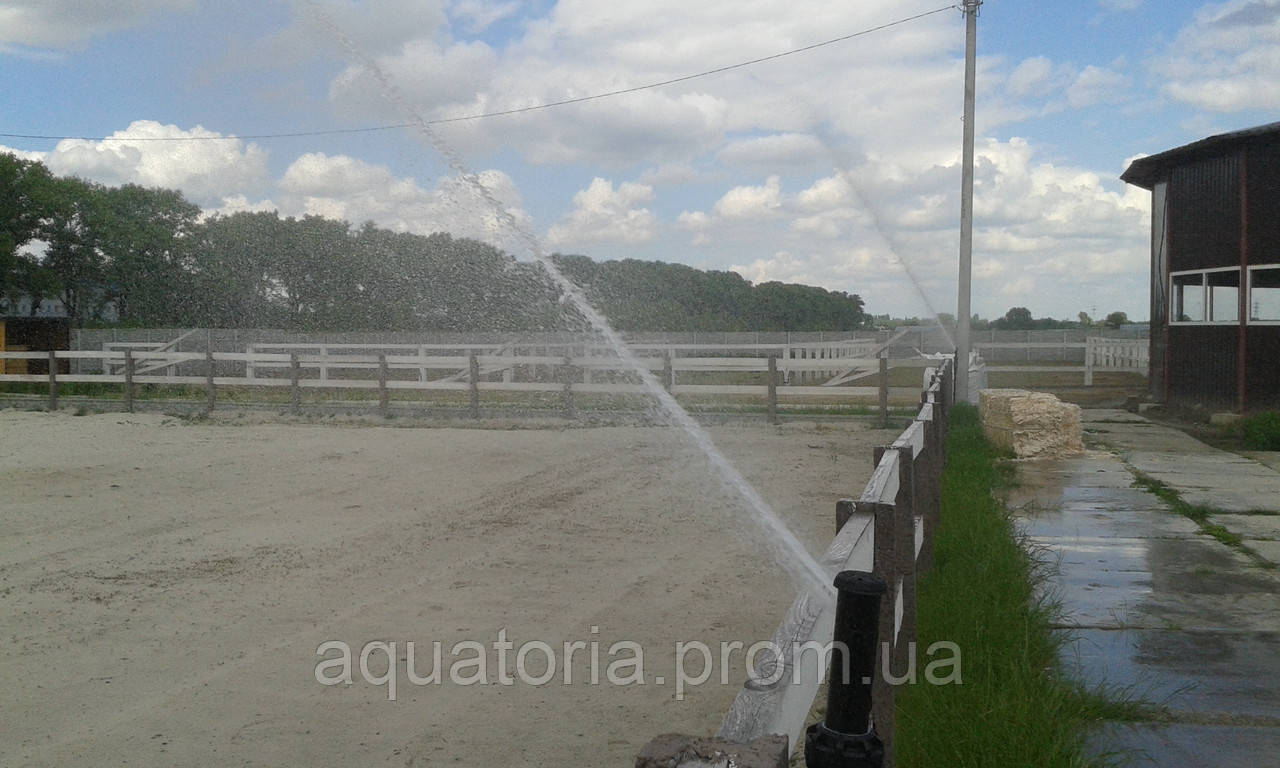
846 738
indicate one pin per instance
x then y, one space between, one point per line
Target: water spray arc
770 532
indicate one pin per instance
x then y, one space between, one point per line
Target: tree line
142 256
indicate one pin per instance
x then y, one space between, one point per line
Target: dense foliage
150 256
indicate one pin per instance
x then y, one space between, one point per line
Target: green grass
1015 706
1201 515
1261 431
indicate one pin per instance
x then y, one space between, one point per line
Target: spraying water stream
767 529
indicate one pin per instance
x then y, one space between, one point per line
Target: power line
505 112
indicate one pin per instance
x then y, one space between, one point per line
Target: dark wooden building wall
1264 205
1203 364
1204 214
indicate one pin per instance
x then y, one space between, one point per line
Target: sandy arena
164 586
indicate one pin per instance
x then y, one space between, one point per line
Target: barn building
1215 270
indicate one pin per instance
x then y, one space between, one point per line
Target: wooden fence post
844 510
53 380
1088 362
384 405
884 390
885 522
668 371
211 393
567 372
473 365
295 392
773 389
906 508
128 380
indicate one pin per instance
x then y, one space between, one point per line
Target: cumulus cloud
751 202
779 151
891 236
478 16
602 214
27 25
1227 59
201 163
343 187
1096 85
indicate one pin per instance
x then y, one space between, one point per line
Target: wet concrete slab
1251 526
1266 458
1154 606
1268 550
1189 744
1199 673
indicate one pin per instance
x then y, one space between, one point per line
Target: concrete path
1154 605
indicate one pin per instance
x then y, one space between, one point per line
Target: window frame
1249 296
1206 297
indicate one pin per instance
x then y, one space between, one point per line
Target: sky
838 166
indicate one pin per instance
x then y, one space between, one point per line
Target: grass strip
1015 706
1201 515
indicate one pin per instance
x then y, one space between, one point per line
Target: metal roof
1147 171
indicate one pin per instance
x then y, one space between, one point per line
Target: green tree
25 191
146 238
1018 319
1116 319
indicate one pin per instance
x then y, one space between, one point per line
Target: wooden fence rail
570 371
889 530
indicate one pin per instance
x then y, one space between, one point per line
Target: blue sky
831 167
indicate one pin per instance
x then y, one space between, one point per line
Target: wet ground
1154 605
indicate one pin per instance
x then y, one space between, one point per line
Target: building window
1224 296
1264 294
1205 296
1188 298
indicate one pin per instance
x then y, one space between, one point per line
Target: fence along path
889 529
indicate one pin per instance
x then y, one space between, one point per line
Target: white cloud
775 152
1119 5
751 202
1227 59
603 214
205 168
478 16
1030 76
342 187
1095 85
68 24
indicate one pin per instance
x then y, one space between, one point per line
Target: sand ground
164 586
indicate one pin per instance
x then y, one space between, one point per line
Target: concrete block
674 750
1223 418
1031 424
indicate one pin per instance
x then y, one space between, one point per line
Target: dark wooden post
884 392
53 380
128 380
668 372
904 545
473 365
384 404
295 392
844 510
211 393
882 694
773 389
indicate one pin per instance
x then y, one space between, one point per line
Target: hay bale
1031 424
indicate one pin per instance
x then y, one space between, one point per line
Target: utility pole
963 309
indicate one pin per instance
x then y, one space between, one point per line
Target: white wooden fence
476 369
888 530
